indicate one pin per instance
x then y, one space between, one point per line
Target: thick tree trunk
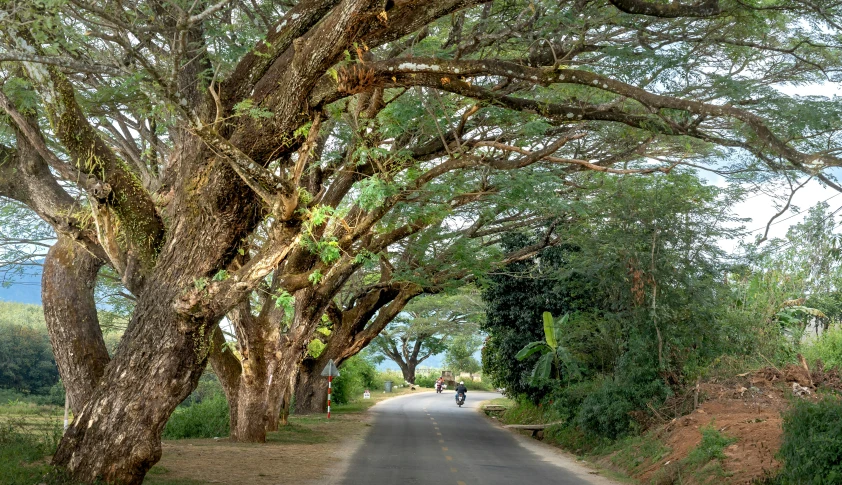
311 388
252 384
117 435
251 408
408 371
67 292
280 398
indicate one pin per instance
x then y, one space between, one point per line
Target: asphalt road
427 439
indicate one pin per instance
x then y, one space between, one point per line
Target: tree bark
117 435
311 388
280 399
67 292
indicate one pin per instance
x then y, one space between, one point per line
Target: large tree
186 145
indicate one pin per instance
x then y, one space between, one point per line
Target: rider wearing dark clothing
461 389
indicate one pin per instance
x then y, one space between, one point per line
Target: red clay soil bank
747 408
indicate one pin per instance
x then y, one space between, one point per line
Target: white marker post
330 371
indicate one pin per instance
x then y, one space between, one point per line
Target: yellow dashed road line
448 458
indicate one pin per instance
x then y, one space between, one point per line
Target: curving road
426 439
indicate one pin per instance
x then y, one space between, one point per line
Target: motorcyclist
461 389
439 383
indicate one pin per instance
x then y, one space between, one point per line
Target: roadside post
330 371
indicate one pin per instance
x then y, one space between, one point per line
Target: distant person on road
439 384
461 389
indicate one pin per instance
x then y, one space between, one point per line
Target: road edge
583 469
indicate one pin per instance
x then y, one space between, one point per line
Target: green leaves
553 355
531 348
373 192
550 330
287 302
544 367
246 107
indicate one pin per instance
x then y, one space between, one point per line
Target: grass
29 434
24 451
631 453
703 464
205 419
299 431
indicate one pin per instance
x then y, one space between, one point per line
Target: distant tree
427 325
26 359
460 353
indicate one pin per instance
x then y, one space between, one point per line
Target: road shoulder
582 469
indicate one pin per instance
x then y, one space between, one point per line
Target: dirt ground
746 408
297 454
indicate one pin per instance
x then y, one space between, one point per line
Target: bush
566 401
355 375
478 385
205 419
827 348
606 411
425 380
812 443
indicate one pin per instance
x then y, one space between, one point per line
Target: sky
759 208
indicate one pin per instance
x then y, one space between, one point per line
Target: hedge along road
427 439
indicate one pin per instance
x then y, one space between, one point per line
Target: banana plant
554 356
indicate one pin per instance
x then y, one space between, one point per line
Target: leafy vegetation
23 451
205 419
356 375
826 348
812 443
639 281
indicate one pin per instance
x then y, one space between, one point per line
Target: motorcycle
460 399
438 388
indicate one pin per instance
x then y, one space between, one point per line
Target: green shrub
355 376
827 348
478 385
524 412
812 443
425 380
566 400
205 419
606 411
